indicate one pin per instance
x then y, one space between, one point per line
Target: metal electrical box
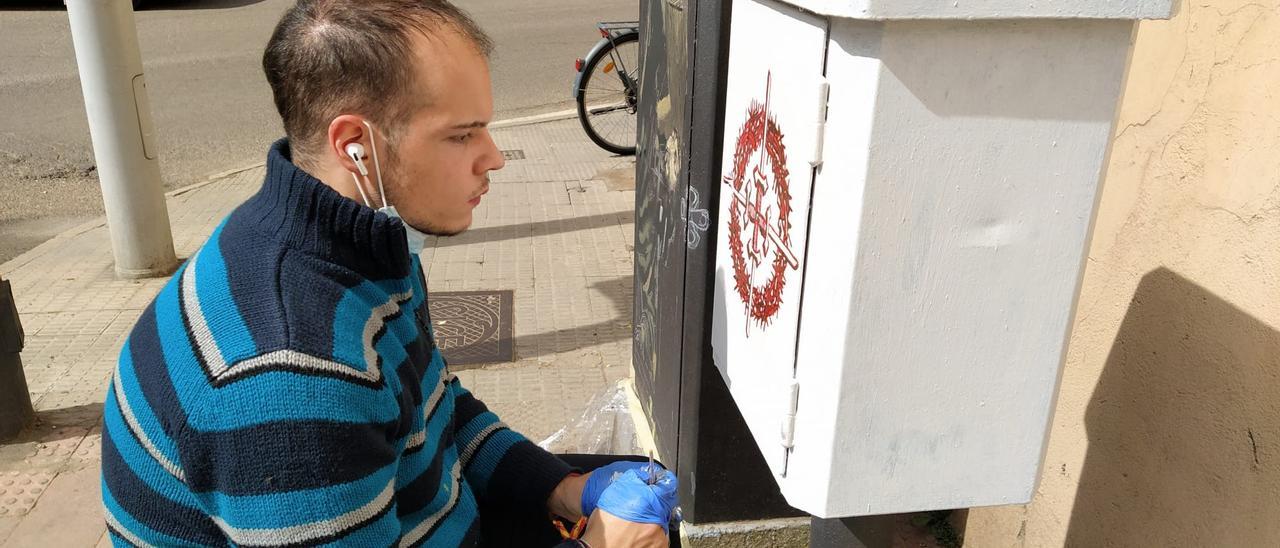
907 196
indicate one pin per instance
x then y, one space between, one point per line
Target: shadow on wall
1184 426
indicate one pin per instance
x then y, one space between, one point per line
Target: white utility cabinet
908 193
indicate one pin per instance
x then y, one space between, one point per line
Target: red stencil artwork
761 205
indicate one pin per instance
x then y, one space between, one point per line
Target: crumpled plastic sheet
605 427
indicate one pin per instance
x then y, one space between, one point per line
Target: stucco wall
1167 430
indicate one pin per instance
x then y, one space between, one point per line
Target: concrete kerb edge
38 251
212 179
12 265
535 119
780 533
41 250
718 529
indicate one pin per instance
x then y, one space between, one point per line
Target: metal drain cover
473 327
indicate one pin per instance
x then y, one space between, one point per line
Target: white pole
115 99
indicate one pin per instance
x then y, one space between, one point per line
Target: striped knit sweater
284 388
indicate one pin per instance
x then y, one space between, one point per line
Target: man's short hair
333 57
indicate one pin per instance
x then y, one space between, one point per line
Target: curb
40 250
782 532
535 119
212 179
8 267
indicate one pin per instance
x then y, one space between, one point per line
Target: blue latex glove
603 477
633 499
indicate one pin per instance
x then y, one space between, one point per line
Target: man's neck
332 175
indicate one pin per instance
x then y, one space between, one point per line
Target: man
284 388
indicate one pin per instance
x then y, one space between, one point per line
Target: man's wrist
566 498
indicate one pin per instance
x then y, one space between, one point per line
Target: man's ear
346 130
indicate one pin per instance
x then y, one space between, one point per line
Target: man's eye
461 138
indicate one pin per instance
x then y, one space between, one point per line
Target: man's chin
446 231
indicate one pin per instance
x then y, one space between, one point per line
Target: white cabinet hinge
820 121
789 422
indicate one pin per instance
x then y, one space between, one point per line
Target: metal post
115 99
15 401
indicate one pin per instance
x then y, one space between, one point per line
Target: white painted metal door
774 108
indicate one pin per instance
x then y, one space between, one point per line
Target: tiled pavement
556 228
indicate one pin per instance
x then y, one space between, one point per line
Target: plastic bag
604 428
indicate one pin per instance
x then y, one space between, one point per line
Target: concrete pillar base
153 272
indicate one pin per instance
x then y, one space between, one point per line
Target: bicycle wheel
609 95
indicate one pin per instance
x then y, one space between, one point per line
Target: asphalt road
209 100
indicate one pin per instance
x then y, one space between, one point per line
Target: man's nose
498 161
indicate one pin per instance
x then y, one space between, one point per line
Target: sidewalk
556 229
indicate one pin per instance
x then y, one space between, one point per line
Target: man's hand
604 476
576 495
606 530
633 511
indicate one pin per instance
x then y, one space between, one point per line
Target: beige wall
1167 431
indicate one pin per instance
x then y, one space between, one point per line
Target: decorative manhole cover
473 327
513 154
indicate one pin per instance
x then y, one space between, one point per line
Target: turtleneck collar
304 213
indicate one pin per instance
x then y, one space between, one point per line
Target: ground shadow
618 291
938 529
535 229
57 425
1183 427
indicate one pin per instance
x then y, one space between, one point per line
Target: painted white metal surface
770 138
976 190
989 9
950 220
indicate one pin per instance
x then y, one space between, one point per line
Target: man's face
444 154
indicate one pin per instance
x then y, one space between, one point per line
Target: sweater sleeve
504 469
313 465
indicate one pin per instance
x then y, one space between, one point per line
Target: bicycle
607 87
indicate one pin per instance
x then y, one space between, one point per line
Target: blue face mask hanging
417 240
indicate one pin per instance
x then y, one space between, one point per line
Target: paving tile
19 490
7 525
70 514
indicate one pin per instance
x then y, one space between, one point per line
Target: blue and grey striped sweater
284 389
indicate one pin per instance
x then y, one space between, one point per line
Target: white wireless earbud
356 152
